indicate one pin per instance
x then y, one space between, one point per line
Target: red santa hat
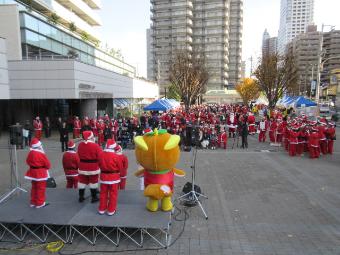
148 130
87 135
323 121
71 144
118 149
35 143
111 144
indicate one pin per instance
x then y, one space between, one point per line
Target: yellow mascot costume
158 152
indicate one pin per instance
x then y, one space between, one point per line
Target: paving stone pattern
261 202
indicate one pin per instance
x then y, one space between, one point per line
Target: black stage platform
65 219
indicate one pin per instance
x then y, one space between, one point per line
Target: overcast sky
125 23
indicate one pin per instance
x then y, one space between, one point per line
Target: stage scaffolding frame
91 234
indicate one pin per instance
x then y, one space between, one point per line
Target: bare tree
274 76
189 76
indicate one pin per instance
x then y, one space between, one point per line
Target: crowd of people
99 157
88 165
299 135
204 126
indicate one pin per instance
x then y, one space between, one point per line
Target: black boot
81 195
94 196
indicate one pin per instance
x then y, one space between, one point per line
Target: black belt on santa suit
36 167
89 160
110 172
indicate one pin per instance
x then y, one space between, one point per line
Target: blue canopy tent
174 102
289 101
166 102
303 101
157 105
121 102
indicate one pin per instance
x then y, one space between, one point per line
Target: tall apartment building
269 44
149 55
331 56
213 27
305 49
295 16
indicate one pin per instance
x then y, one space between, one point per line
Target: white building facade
4 83
54 62
295 17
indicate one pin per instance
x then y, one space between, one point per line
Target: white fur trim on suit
83 172
81 185
109 150
109 182
93 185
36 145
36 179
71 175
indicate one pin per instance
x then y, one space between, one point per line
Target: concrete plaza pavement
261 201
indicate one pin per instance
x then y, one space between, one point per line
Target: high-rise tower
295 17
213 27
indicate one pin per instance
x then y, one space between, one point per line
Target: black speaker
15 135
188 136
51 183
188 187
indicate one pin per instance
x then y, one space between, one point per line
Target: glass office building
42 39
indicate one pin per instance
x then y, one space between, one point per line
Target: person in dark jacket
27 133
243 129
63 131
47 127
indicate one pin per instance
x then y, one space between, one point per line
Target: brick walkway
260 202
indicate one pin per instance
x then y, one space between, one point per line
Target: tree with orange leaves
248 90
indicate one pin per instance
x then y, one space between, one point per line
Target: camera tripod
14 174
236 137
192 197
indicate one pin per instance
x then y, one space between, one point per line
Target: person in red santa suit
263 127
331 137
232 124
38 126
251 124
125 162
94 126
71 165
279 131
314 143
272 130
89 153
100 128
322 133
293 140
38 173
286 132
301 140
222 139
76 127
110 165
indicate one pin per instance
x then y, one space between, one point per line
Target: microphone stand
192 197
